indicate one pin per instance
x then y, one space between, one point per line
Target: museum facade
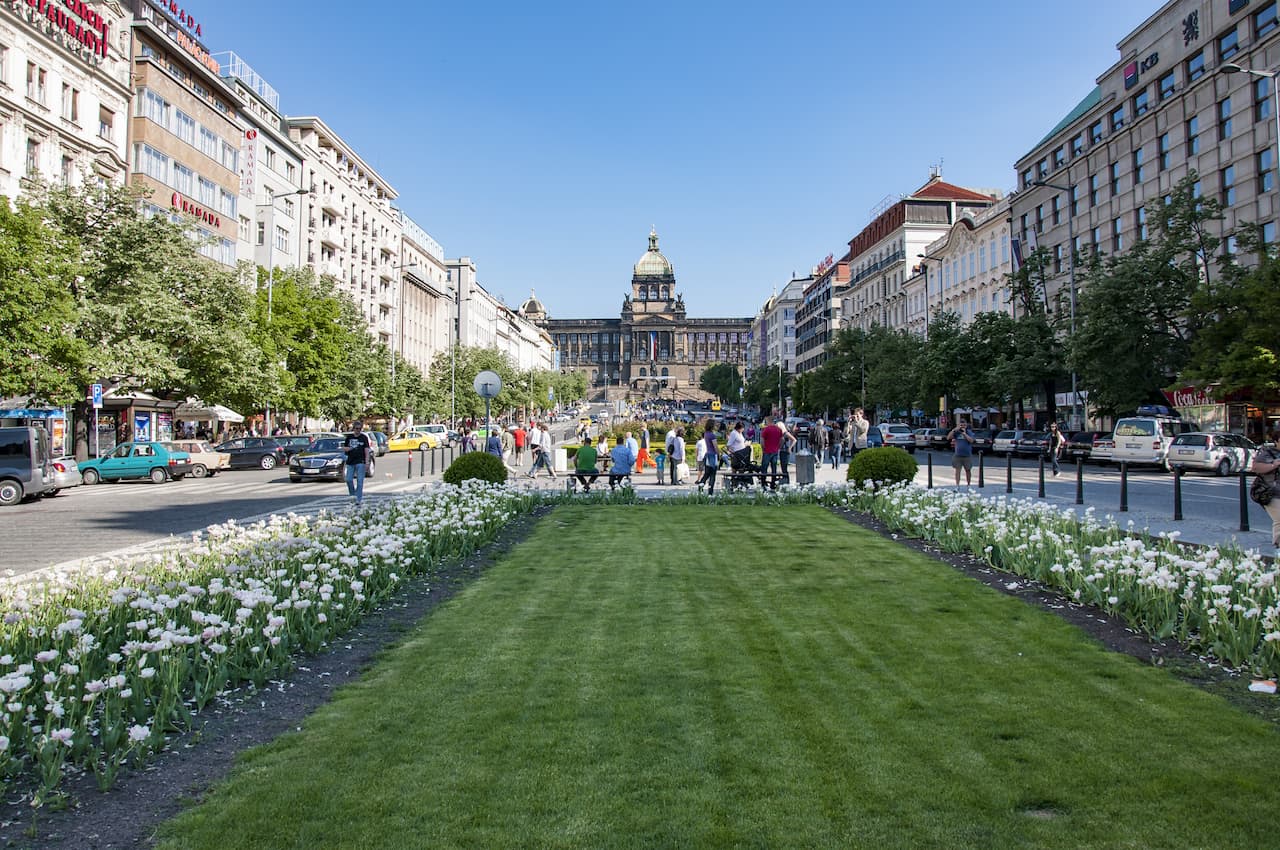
652 347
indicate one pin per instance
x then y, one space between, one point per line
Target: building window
1039 229
1042 168
1193 137
154 107
282 239
1095 132
1195 66
1028 177
184 127
227 203
1261 98
1269 233
151 162
1141 103
1117 118
1162 152
1224 119
1093 190
37 78
1075 200
4 64
68 169
1264 20
1228 45
1117 236
33 156
1057 259
1229 186
271 159
1077 145
184 180
1115 179
230 157
1138 171
1168 84
209 143
1096 236
1140 221
106 123
290 171
1266 170
1057 209
1060 157
70 103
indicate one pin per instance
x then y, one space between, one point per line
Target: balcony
387 297
331 203
387 272
330 267
331 236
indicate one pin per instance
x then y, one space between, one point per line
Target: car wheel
1224 468
158 476
267 462
199 470
52 493
90 476
10 493
295 478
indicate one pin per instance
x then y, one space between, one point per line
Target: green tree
721 380
763 387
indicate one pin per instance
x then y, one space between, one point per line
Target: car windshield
326 446
1191 440
1135 428
1005 435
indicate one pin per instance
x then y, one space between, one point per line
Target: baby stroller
740 464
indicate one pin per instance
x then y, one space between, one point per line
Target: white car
1144 439
921 436
897 434
435 429
1222 454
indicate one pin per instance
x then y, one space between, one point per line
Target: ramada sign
191 208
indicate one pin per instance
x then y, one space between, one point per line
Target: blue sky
543 140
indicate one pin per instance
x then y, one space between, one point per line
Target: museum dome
653 263
533 307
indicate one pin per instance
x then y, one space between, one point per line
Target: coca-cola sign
1189 396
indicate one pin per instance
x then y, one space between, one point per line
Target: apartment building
965 271
424 320
352 232
270 232
184 133
1174 102
64 93
883 256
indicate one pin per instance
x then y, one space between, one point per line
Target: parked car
874 438
1145 439
294 443
248 452
325 458
137 459
379 442
1006 441
921 436
1032 444
26 464
940 439
204 460
1222 454
799 426
444 435
1080 444
897 434
982 440
66 474
411 441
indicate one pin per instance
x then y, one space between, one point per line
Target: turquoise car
137 460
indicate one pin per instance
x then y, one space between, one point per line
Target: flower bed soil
127 815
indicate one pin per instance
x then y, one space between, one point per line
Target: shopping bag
682 473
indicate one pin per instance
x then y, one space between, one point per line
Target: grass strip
654 676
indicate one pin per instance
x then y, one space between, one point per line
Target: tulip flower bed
96 669
1221 601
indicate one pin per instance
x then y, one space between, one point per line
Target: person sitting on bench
584 467
623 462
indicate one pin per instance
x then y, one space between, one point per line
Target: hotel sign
71 22
183 29
183 204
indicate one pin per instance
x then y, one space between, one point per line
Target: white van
26 464
1144 440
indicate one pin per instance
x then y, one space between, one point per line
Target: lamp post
1233 68
1076 421
269 236
926 259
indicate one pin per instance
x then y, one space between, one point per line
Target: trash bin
804 462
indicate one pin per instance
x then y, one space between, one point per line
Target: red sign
1188 396
193 209
90 31
179 14
827 263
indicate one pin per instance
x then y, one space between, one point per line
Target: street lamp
926 259
1076 421
1233 68
270 238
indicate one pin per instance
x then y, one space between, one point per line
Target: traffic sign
97 396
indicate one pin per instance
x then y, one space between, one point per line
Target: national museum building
652 343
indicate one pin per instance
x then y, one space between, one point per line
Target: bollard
1040 492
410 475
1244 500
422 462
1079 481
1124 486
433 459
930 459
981 483
1177 493
1008 473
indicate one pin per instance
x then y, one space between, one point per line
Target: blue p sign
97 396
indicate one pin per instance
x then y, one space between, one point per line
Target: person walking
962 442
642 456
672 458
1057 441
508 446
860 428
788 445
520 437
634 446
711 459
677 455
1266 465
818 438
359 449
770 446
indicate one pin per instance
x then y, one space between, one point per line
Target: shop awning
21 407
199 411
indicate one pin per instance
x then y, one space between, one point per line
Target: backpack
1261 491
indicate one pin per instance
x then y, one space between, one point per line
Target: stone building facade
653 347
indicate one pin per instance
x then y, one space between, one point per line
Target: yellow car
408 441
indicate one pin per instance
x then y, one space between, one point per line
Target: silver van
1145 439
26 464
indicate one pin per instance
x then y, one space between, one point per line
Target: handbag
1261 491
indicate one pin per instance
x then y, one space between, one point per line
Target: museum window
1141 103
1266 172
1224 119
1229 186
1195 66
1228 44
1167 85
1264 20
1261 99
1193 137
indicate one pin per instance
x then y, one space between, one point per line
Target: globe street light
270 238
1076 421
1233 68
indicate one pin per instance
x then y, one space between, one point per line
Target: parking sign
97 396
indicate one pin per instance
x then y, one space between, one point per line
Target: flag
653 345
1017 253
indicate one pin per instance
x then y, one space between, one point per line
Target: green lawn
713 676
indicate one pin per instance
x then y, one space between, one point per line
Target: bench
602 464
734 480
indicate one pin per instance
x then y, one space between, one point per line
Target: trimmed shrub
479 465
887 465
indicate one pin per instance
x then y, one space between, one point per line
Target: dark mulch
127 815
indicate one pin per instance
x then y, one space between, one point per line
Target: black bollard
1040 492
1244 500
930 465
981 482
410 475
1177 493
1124 486
422 461
1008 473
1079 481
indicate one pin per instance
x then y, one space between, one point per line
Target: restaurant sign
71 22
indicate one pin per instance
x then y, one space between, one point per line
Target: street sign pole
96 391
